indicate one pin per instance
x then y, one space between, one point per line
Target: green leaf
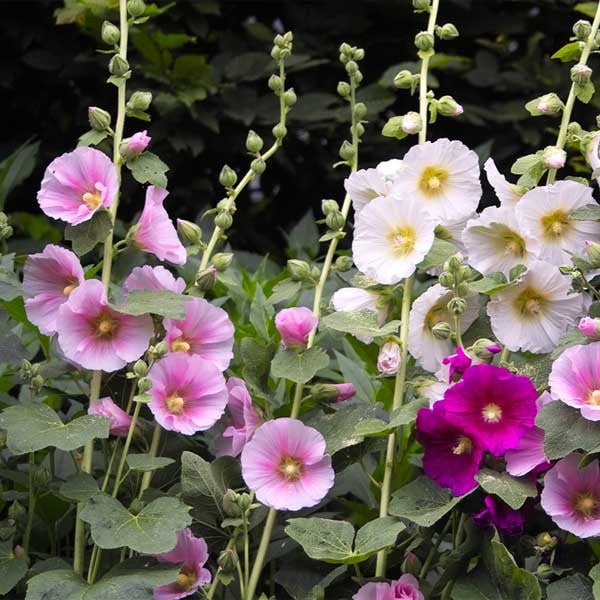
576 586
80 487
378 427
589 212
164 303
303 239
299 367
585 92
595 575
525 163
440 252
423 502
285 290
147 462
10 286
376 535
92 138
31 427
261 314
85 236
12 569
359 323
148 168
393 128
354 372
17 167
256 361
568 52
587 8
248 66
152 531
513 490
490 284
12 350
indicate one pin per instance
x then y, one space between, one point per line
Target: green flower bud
227 560
357 77
329 206
136 8
580 74
454 262
335 220
289 97
189 232
140 368
411 564
575 130
144 385
457 306
299 269
224 220
206 279
347 150
441 331
343 89
343 263
160 350
360 110
279 41
404 79
222 261
345 49
288 36
582 30
99 119
254 142
545 541
41 477
279 131
485 349
463 289
110 33
548 104
258 166
359 129
276 53
227 177
593 252
351 67
36 383
446 280
315 272
448 107
359 54
462 273
447 31
118 66
275 83
245 501
140 101
230 504
421 5
424 41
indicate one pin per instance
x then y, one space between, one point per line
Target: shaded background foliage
207 62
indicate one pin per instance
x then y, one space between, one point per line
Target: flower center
556 224
432 180
586 504
514 244
435 315
594 398
530 302
402 240
105 325
491 413
174 404
71 285
290 468
180 345
463 446
92 199
186 579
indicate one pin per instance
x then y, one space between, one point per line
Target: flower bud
36 383
590 327
294 326
593 252
412 564
222 261
404 79
140 368
554 157
227 177
329 206
245 501
139 101
230 504
118 66
457 306
389 359
462 289
135 145
258 166
411 122
254 142
424 41
227 560
279 41
360 110
359 129
351 67
275 83
345 49
160 350
441 331
580 74
545 541
110 33
357 77
289 97
19 552
189 232
330 391
346 150
277 53
343 263
582 30
299 269
206 279
449 107
144 385
41 477
446 280
462 273
454 262
136 8
345 391
343 89
485 349
549 104
335 220
447 31
359 54
224 220
421 5
279 131
99 119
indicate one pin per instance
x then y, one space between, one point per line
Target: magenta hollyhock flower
405 588
575 379
492 406
188 393
241 419
451 456
286 465
119 419
295 325
206 331
77 184
153 278
193 553
571 496
155 232
389 359
589 327
346 391
458 363
49 277
136 144
94 335
507 520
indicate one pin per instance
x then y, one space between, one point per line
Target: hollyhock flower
458 363
547 227
589 327
193 553
188 393
153 278
49 277
495 242
571 496
155 232
119 419
241 419
532 314
434 391
295 326
77 184
451 456
429 309
206 331
392 235
493 406
443 176
508 193
405 588
286 465
389 359
345 391
135 145
365 185
351 299
507 520
374 591
94 335
390 169
592 151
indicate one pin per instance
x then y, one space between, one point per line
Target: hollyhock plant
389 359
49 277
77 184
508 193
206 331
365 185
153 278
457 364
286 466
507 520
94 335
119 419
189 393
405 588
295 325
192 552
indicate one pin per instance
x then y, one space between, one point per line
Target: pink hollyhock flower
193 553
286 465
571 496
374 591
94 335
575 379
589 327
458 363
405 588
135 145
493 406
451 457
77 184
206 330
49 277
153 278
188 393
119 419
345 391
507 520
242 420
295 325
155 232
389 359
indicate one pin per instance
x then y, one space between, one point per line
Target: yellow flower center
180 345
402 240
463 446
290 468
92 199
491 413
530 302
586 504
514 244
555 224
432 181
175 404
70 287
186 579
105 325
594 398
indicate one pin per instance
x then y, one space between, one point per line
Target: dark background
50 73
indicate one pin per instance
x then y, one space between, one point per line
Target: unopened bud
206 279
224 220
485 349
421 5
230 504
118 66
227 560
441 331
582 30
222 261
140 101
446 280
412 564
345 49
593 252
144 385
41 477
333 391
580 74
329 206
275 83
447 31
279 131
549 104
140 368
590 327
258 166
110 33
411 122
227 177
462 273
554 157
335 220
346 150
19 552
545 541
351 67
449 107
254 142
188 231
36 383
99 119
360 110
160 350
457 306
343 263
389 359
136 8
299 269
359 54
404 79
132 147
454 262
245 501
289 97
424 41
343 89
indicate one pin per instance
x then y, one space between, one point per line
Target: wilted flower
389 359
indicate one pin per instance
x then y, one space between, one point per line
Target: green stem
147 477
457 333
119 476
261 553
504 355
31 506
433 550
246 552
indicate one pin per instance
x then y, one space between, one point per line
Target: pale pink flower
345 391
49 277
389 359
295 325
77 184
374 591
286 465
242 420
405 588
153 278
206 330
589 327
94 335
188 393
193 553
136 144
119 419
155 232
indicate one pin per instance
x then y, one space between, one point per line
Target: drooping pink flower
451 457
136 144
389 359
94 335
405 588
571 496
241 419
49 277
492 406
188 393
589 327
206 331
295 325
155 232
345 391
193 553
77 184
119 419
458 363
286 465
153 278
507 520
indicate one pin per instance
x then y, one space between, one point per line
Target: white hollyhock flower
495 242
507 193
534 313
592 151
365 185
429 309
391 237
351 299
444 176
551 234
390 169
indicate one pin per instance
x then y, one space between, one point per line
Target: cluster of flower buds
139 371
406 80
224 218
30 374
235 505
5 229
456 277
447 31
300 270
334 218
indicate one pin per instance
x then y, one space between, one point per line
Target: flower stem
261 553
147 477
31 506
